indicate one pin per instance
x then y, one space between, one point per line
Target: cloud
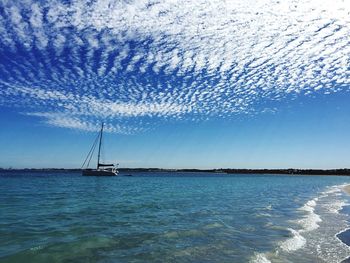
82 123
139 62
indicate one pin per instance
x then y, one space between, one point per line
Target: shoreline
344 236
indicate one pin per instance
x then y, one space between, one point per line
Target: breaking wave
331 204
260 258
296 242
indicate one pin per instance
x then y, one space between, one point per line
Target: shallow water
171 217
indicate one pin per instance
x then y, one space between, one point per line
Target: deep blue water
171 217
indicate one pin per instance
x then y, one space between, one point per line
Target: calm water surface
171 217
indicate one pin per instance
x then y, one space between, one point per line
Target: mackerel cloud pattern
138 63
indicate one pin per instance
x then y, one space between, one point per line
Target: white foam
341 231
296 242
335 206
309 206
269 207
260 258
308 223
311 220
328 203
334 189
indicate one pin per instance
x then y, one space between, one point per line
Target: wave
311 220
335 207
335 189
296 242
260 258
314 232
308 223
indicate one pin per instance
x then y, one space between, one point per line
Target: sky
178 84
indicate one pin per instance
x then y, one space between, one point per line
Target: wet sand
345 236
347 189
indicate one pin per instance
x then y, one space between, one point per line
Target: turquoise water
171 217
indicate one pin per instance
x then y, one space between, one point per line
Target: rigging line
99 147
91 151
92 154
103 155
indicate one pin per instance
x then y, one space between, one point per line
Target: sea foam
311 220
260 258
308 223
335 206
296 242
334 189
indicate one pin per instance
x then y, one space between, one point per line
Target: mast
99 148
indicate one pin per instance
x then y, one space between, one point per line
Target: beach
347 189
344 236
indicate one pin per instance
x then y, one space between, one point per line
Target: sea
173 217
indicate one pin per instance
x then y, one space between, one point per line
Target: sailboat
101 169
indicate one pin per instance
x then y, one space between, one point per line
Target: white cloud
169 59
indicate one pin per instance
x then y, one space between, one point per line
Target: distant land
343 171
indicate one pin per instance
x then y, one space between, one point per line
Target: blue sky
179 84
